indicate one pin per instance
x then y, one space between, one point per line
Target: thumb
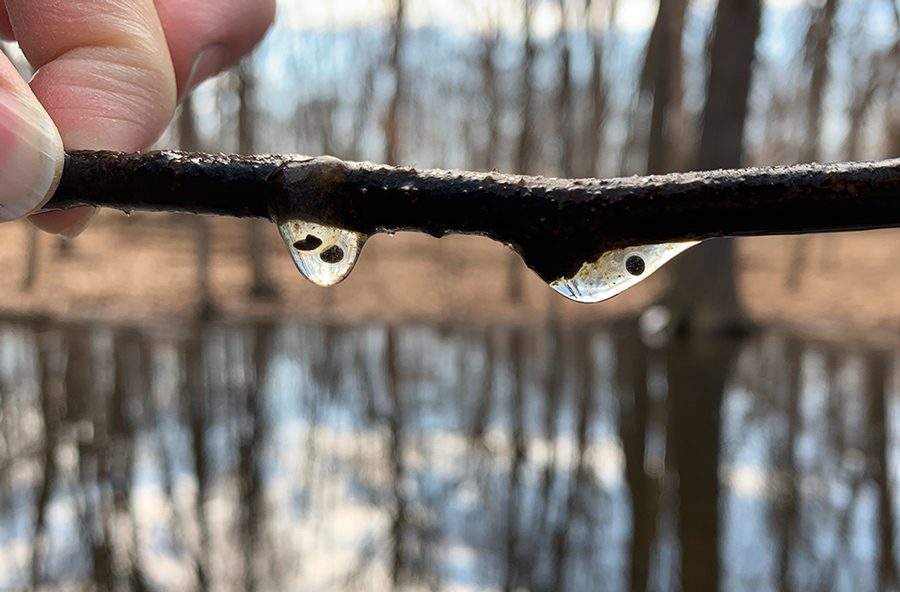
31 151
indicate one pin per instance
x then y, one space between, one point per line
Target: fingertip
31 155
6 31
66 223
193 27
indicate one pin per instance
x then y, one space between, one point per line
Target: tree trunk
662 77
597 94
704 297
392 119
818 39
564 95
262 286
525 147
705 307
492 89
188 140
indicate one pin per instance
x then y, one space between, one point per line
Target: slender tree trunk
785 513
705 306
525 148
597 93
188 140
400 523
662 77
514 578
879 372
704 297
631 355
392 146
195 414
564 95
262 285
492 88
818 39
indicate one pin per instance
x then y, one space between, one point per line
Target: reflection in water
276 457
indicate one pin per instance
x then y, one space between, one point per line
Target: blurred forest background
179 409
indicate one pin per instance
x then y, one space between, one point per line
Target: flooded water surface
302 457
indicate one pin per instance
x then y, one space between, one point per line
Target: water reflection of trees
551 457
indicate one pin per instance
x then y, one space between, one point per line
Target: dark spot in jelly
333 255
635 265
309 243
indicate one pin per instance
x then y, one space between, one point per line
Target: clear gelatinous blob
324 255
616 271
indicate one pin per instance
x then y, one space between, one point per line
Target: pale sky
472 15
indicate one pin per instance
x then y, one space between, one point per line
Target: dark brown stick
556 224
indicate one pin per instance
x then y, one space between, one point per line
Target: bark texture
556 224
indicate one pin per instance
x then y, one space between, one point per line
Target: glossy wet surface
304 457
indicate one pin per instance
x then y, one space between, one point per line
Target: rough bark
556 224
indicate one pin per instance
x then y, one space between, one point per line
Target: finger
31 156
6 31
207 36
103 74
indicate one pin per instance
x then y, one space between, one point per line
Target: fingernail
31 157
80 226
209 61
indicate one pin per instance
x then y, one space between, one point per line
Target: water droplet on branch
325 255
616 271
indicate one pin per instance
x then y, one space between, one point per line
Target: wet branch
556 224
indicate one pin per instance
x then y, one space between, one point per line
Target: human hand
109 74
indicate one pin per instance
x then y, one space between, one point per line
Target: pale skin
109 73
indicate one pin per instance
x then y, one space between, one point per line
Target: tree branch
556 224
